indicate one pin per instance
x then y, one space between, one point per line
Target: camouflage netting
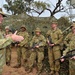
15 21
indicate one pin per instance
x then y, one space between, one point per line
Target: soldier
37 43
22 48
70 43
8 48
54 39
5 42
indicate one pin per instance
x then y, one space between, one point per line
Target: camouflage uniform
22 49
70 43
3 44
54 52
37 52
8 48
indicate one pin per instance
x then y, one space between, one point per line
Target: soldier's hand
15 45
16 38
73 57
62 60
8 35
37 46
18 44
51 45
32 49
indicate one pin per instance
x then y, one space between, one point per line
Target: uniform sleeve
67 40
65 51
25 41
32 41
5 42
60 36
48 33
43 42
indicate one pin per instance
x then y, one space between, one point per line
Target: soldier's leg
24 56
57 55
31 60
51 60
40 55
2 60
18 58
8 55
7 51
71 67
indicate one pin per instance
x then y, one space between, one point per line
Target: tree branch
38 12
57 6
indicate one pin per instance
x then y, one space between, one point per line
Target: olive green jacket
38 39
26 39
56 36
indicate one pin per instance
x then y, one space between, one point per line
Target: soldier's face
37 33
1 18
73 29
7 30
54 26
23 29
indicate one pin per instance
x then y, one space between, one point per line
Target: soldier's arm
48 33
66 42
65 51
25 41
60 36
43 41
32 41
67 39
5 42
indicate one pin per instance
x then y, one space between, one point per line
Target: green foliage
32 22
31 6
40 5
17 6
64 23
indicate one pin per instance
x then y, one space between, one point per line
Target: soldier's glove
37 46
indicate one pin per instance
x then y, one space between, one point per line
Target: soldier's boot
8 63
51 73
25 63
17 66
57 73
38 73
29 70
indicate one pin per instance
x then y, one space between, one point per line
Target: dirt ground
9 70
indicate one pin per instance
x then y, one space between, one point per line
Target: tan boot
38 73
29 70
17 66
51 73
8 63
57 73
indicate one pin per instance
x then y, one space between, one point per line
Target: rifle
35 44
49 40
68 55
67 29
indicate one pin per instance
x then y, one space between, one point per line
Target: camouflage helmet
37 30
2 13
54 22
7 27
23 26
73 25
